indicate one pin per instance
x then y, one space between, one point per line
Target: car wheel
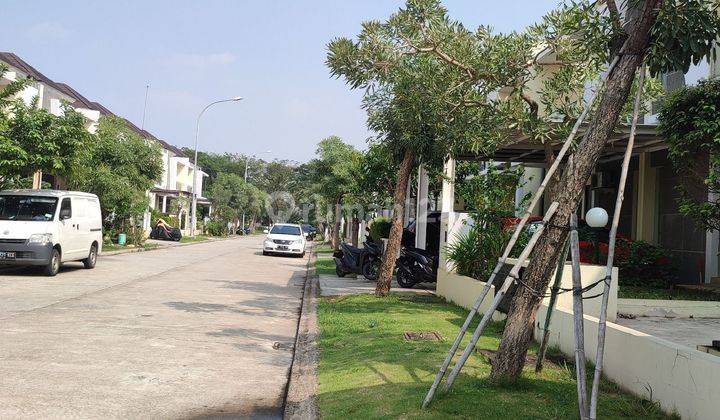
53 266
91 260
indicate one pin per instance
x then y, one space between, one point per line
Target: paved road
189 332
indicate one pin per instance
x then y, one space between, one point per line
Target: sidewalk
331 285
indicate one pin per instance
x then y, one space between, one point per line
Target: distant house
171 195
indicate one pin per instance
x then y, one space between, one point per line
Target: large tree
119 166
32 139
232 196
333 174
418 104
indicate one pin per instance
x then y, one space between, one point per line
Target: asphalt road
200 331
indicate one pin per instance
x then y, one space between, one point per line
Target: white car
284 238
48 227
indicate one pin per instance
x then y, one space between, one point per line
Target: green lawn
115 247
629 292
323 248
325 266
198 238
367 370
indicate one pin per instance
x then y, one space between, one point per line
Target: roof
17 62
51 193
80 100
524 150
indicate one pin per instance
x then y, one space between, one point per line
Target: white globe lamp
596 217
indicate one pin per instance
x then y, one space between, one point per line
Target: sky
272 53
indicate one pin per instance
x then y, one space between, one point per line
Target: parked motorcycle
415 266
365 261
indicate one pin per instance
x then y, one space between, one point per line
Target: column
422 208
164 204
646 200
447 206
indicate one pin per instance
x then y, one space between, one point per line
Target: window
285 230
66 207
27 208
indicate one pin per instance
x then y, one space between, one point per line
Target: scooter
415 266
365 261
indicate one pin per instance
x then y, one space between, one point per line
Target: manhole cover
422 335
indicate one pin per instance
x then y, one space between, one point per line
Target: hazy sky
193 52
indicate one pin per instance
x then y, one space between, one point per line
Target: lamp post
193 208
596 218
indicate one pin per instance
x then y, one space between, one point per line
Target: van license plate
7 255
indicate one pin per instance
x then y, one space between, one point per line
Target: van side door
69 237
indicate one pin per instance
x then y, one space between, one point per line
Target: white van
48 227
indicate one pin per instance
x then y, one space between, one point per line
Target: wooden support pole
553 298
578 320
499 294
602 323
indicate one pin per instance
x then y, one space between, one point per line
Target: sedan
284 238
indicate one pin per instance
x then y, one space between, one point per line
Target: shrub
380 228
216 227
647 265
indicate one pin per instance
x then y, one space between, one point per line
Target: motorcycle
365 261
415 266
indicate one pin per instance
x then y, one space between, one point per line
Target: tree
649 28
232 196
119 166
690 121
33 139
334 172
420 107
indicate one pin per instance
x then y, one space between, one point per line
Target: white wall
681 379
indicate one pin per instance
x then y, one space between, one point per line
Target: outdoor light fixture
193 207
596 217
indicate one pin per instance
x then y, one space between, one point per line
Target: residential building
172 194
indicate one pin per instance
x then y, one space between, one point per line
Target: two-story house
171 195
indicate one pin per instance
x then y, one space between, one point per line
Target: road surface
200 331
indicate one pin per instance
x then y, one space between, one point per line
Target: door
70 240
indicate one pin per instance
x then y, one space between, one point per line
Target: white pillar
361 232
164 204
447 206
422 208
448 187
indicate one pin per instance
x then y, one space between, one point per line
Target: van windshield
27 208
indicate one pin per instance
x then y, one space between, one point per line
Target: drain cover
422 335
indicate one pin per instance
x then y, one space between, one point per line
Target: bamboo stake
578 320
602 324
551 305
516 234
499 295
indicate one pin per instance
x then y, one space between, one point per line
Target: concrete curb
301 395
133 250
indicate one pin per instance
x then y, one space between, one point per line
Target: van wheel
91 260
53 265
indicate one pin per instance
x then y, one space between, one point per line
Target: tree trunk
396 229
336 226
510 359
355 231
554 182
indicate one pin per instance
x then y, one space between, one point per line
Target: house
171 196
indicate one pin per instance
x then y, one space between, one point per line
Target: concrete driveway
189 332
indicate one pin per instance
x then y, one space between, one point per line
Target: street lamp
193 210
596 218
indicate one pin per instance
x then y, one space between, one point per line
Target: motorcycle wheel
339 271
404 280
371 269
